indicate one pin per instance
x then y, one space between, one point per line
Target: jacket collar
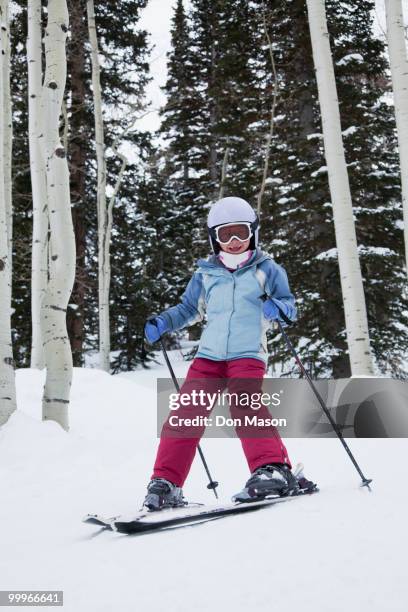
213 264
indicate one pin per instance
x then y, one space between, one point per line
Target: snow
343 549
321 170
271 180
315 135
371 250
356 57
349 131
329 254
313 295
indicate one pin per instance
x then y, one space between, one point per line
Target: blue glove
155 328
271 312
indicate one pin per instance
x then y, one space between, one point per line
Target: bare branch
272 116
224 171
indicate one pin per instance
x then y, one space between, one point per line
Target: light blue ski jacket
235 326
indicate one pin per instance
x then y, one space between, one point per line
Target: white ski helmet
232 210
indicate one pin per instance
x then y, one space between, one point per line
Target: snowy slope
344 549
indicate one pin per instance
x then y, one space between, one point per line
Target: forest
300 107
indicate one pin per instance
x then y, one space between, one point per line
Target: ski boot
163 494
274 480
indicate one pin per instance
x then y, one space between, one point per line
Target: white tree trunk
57 349
269 136
39 272
7 378
8 133
350 272
104 223
399 71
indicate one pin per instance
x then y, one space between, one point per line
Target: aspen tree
39 271
57 349
7 378
399 72
104 224
350 272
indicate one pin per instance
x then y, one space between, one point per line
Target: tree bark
8 135
7 378
269 136
213 119
399 72
104 223
330 326
350 271
57 348
224 170
39 271
77 149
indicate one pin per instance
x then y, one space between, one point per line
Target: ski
107 523
145 521
99 520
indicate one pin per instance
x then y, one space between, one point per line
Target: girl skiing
229 287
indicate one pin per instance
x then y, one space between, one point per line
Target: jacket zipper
232 312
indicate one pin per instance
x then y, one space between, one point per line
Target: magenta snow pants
175 454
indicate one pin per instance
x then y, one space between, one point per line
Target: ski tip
88 517
100 521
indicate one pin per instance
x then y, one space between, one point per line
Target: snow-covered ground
343 549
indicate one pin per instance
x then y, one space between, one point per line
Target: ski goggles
225 233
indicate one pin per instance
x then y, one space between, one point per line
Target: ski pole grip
152 321
284 318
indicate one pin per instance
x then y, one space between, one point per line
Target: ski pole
213 484
365 481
